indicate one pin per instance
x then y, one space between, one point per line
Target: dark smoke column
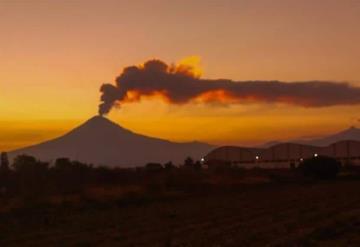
109 95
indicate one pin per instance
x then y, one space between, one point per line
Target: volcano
102 142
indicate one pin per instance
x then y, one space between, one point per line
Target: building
283 155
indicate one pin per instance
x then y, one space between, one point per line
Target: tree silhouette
62 163
4 162
169 165
197 165
26 163
189 162
4 174
32 175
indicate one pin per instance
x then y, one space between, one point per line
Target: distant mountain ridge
351 133
102 142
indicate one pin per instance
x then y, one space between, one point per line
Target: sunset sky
55 55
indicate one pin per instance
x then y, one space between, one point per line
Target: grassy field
263 214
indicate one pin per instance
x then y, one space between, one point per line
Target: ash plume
180 84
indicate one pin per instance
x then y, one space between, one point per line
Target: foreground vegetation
74 204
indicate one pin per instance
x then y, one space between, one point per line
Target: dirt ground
270 214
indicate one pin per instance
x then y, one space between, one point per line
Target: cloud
181 84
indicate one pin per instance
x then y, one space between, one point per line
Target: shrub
219 166
320 167
153 167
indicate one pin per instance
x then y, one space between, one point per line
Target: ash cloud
179 85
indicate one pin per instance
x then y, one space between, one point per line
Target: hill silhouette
102 142
351 133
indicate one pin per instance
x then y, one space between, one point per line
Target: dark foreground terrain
264 214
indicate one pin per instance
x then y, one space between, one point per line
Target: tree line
28 175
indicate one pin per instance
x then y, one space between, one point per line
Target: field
323 213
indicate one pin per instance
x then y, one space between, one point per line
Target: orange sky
54 55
